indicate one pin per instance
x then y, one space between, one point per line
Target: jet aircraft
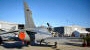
31 33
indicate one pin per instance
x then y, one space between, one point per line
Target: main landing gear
1 40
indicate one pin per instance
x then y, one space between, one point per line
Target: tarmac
17 45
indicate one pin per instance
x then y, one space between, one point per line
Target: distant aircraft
31 33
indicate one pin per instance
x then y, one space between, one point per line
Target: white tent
78 32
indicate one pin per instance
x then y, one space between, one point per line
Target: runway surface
17 45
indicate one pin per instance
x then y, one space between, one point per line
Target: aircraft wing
30 29
9 32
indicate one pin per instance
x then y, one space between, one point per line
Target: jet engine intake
23 36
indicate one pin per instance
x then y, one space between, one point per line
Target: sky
55 12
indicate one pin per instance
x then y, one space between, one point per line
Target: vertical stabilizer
28 17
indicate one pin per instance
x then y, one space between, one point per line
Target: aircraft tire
55 45
0 40
28 43
41 41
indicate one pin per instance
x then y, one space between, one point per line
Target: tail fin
28 17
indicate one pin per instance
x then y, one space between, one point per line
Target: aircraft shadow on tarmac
74 44
19 45
43 45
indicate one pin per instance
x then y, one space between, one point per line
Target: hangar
68 30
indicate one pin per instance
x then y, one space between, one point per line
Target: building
69 30
7 26
88 29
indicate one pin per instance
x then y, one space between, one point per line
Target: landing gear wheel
55 45
0 40
27 43
41 41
